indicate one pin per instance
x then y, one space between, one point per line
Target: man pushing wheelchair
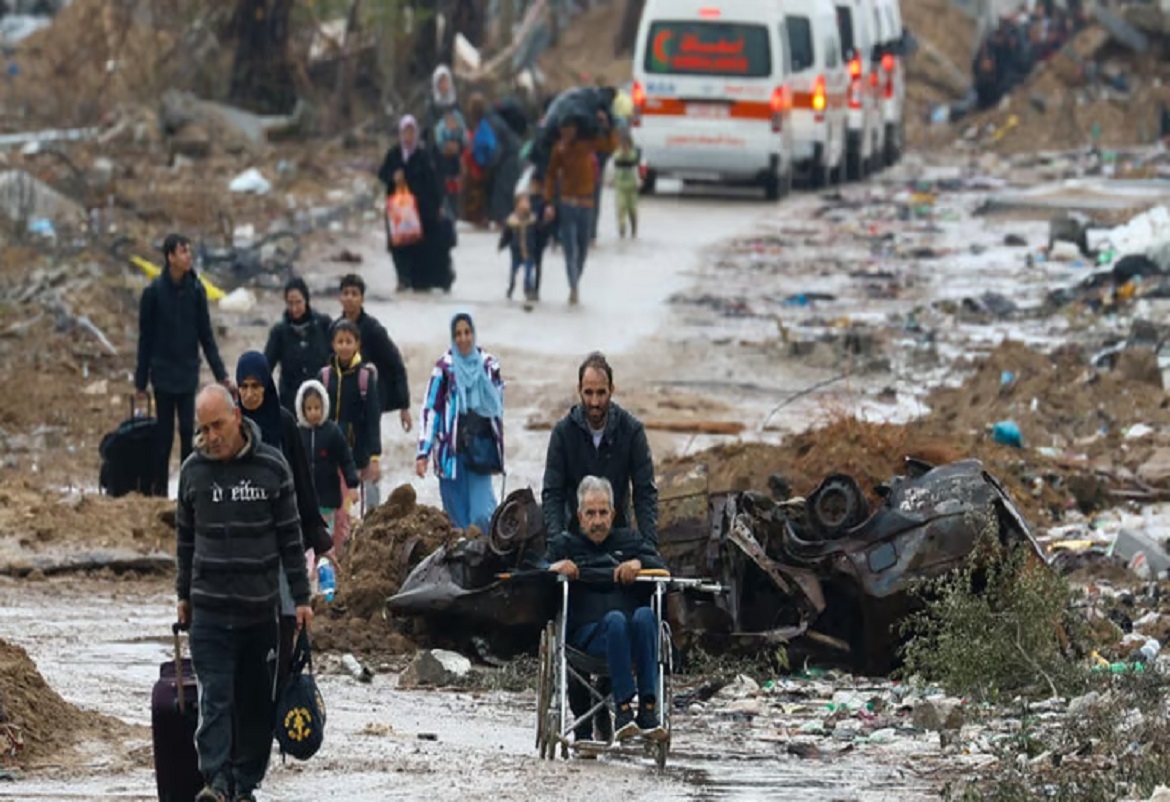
609 615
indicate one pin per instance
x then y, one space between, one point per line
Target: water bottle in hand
326 579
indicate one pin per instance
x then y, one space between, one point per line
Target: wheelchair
559 664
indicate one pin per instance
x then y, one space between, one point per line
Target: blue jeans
529 269
236 668
468 498
624 641
574 233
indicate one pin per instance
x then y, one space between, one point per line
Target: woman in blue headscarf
260 404
462 428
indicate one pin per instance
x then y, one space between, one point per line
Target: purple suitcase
174 714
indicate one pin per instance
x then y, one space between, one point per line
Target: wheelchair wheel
545 686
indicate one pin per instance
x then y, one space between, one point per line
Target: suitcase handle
176 628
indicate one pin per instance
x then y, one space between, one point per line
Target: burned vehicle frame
825 575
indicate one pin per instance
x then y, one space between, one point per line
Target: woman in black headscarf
278 428
299 343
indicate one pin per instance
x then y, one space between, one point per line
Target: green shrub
994 628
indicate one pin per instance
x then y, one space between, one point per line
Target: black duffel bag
300 710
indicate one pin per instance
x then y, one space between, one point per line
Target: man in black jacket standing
608 615
237 525
379 350
599 438
173 322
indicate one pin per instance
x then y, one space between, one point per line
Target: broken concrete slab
435 668
24 197
1156 469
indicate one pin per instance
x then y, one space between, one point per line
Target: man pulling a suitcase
237 522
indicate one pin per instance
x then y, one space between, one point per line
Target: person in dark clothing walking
609 616
298 344
327 449
599 438
173 323
351 385
425 264
378 350
237 526
278 428
519 236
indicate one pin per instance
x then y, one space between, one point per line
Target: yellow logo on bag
298 723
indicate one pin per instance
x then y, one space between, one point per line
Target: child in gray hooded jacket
335 475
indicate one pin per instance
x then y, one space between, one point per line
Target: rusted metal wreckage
827 575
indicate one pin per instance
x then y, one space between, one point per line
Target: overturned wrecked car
826 575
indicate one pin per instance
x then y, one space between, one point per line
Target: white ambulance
711 95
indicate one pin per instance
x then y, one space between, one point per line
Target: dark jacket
597 593
173 322
623 458
313 528
519 235
506 171
301 350
237 524
381 352
360 420
327 452
423 182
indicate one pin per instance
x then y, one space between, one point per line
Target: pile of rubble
1094 92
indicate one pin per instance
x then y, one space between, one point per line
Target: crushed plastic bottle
326 579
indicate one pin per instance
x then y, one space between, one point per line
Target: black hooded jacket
381 352
173 322
301 349
623 458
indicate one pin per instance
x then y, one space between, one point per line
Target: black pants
236 667
166 407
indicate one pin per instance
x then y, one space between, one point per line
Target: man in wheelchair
610 615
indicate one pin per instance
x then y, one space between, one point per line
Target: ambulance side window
800 42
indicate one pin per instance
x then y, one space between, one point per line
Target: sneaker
573 297
210 794
624 721
647 719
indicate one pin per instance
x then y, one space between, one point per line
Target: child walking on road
626 161
329 454
519 235
351 386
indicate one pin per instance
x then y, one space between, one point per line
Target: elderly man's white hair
594 484
224 394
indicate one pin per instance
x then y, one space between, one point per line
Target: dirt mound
41 521
584 54
390 541
939 71
32 713
1077 413
1058 400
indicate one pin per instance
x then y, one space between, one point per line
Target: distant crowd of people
467 162
1018 43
